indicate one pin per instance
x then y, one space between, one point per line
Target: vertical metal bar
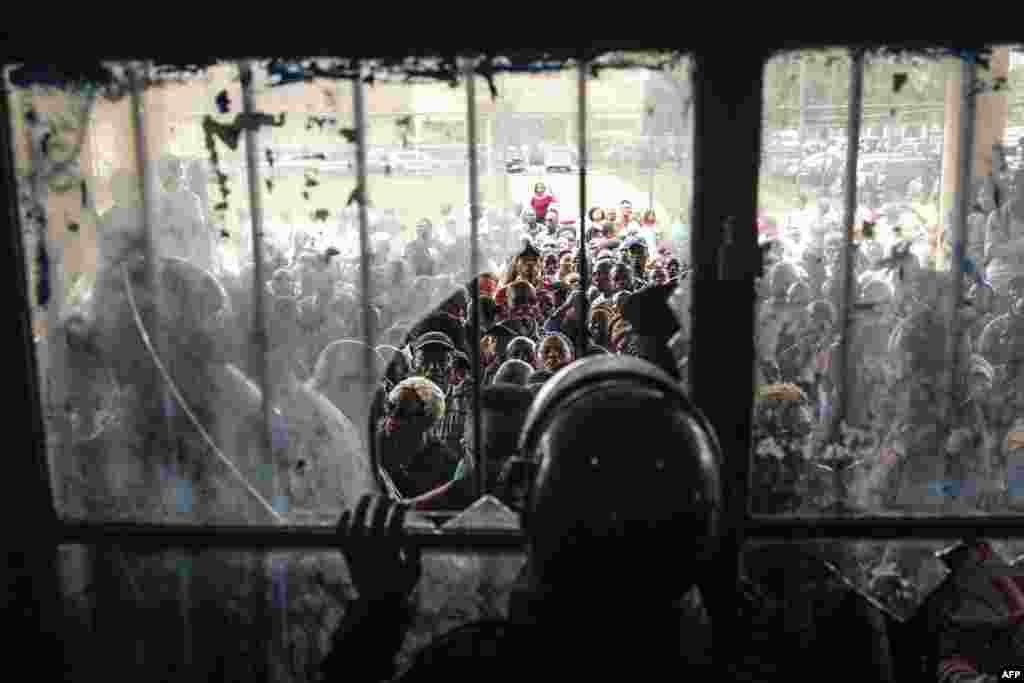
849 216
269 611
146 182
110 563
961 210
369 333
469 72
584 280
151 316
259 277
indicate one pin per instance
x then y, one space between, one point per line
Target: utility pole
804 97
650 148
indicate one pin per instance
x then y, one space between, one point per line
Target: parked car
411 162
559 161
515 166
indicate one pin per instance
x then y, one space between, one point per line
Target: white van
559 161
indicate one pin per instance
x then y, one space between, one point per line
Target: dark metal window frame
726 154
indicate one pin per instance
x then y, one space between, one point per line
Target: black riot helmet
601 500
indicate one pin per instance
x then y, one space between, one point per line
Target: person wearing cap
432 358
634 251
459 399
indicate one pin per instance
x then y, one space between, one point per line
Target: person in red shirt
541 199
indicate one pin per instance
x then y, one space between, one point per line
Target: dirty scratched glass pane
153 377
901 443
528 132
219 615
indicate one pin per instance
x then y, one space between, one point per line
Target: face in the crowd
554 353
551 219
659 276
622 278
564 266
488 350
650 218
406 414
674 268
528 267
626 209
611 215
433 361
539 189
597 215
550 265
